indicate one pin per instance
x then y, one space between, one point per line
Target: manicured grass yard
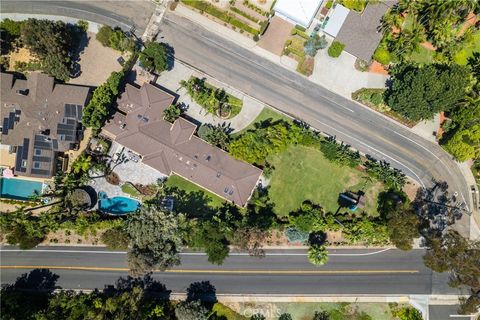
302 173
129 189
266 113
183 184
422 55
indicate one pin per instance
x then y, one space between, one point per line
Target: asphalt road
293 94
124 14
348 272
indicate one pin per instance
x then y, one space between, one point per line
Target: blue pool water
118 205
19 189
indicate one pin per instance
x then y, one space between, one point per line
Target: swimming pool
118 205
19 189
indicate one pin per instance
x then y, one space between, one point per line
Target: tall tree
154 57
420 92
155 241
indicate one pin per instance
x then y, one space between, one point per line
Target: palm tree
317 255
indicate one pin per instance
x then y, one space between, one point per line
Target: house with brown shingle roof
139 126
38 120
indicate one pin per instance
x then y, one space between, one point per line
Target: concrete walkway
171 81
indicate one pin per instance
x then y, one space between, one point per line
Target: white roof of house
297 11
336 20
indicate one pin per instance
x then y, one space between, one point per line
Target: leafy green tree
154 57
115 239
335 49
402 225
23 229
339 153
51 42
465 144
457 254
82 164
83 25
321 315
470 305
103 35
317 255
155 241
97 109
191 310
218 135
420 92
392 177
407 313
213 241
285 316
172 113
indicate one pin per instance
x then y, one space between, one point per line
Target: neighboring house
299 12
360 31
138 125
38 120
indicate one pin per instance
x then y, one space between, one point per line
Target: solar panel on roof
18 160
26 142
71 122
11 120
55 144
70 110
5 126
69 138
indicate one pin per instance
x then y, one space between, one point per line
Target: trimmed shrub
382 55
335 49
103 35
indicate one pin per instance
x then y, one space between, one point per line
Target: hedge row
244 14
220 14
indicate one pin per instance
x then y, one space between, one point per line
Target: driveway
340 75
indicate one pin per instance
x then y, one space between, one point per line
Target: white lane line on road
433 154
195 253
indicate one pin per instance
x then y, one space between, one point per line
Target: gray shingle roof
359 32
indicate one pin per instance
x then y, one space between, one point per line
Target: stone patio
128 171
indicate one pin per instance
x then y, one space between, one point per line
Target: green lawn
130 190
302 173
265 114
306 310
183 184
462 56
422 55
